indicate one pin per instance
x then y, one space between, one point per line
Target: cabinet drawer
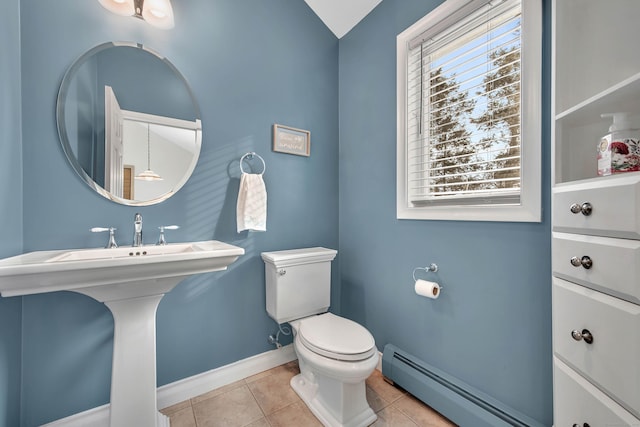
577 402
615 206
615 265
611 360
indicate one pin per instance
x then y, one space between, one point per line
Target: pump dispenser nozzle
620 121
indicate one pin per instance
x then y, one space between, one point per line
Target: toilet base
308 392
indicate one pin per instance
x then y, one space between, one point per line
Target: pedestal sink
131 282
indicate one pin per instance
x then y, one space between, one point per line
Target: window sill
506 213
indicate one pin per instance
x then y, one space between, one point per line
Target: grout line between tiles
256 400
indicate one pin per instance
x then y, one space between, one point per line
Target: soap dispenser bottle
618 151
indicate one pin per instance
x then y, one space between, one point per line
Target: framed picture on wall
291 140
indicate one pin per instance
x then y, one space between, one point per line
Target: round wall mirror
129 123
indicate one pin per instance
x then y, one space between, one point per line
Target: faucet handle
161 239
112 236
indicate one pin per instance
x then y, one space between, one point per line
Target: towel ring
432 268
250 156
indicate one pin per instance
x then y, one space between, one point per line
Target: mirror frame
64 136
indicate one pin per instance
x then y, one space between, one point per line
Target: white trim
188 388
196 385
530 207
98 417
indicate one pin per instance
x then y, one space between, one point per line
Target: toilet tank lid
299 256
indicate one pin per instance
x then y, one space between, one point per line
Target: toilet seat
336 337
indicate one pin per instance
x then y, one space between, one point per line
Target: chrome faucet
137 230
112 237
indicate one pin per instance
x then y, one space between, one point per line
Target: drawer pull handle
585 261
584 335
585 208
583 425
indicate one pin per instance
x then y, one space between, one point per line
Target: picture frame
291 140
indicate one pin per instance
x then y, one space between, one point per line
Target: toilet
336 355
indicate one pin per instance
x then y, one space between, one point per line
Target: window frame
529 208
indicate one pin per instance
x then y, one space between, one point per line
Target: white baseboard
98 417
188 388
196 385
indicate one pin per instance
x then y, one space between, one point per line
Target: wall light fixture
158 13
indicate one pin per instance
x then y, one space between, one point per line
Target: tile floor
267 400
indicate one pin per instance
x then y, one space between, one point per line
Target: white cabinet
614 263
612 204
595 220
611 361
576 400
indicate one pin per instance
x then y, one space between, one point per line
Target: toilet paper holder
431 268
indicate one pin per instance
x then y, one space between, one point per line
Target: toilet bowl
336 356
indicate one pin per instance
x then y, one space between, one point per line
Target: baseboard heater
459 402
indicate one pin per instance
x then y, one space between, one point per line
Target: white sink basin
93 254
130 282
106 274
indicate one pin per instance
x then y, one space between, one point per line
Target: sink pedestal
133 373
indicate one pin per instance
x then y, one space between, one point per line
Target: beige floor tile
273 392
262 422
294 415
385 390
292 367
183 418
258 376
175 408
391 417
420 413
245 403
235 408
216 392
376 402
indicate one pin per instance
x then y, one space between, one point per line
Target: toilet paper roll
427 289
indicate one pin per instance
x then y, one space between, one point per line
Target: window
469 112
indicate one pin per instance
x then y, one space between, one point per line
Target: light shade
119 7
149 175
158 13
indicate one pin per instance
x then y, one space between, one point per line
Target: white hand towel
251 213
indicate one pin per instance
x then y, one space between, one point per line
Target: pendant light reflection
149 175
158 13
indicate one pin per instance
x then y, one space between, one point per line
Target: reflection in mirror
123 111
136 142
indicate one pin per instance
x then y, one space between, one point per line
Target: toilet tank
298 282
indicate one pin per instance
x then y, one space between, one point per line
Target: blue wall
251 64
491 327
10 207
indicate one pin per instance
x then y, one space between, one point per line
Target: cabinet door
614 202
579 402
613 264
611 360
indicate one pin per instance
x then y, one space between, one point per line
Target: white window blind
463 130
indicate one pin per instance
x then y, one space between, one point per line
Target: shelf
577 130
597 181
623 97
